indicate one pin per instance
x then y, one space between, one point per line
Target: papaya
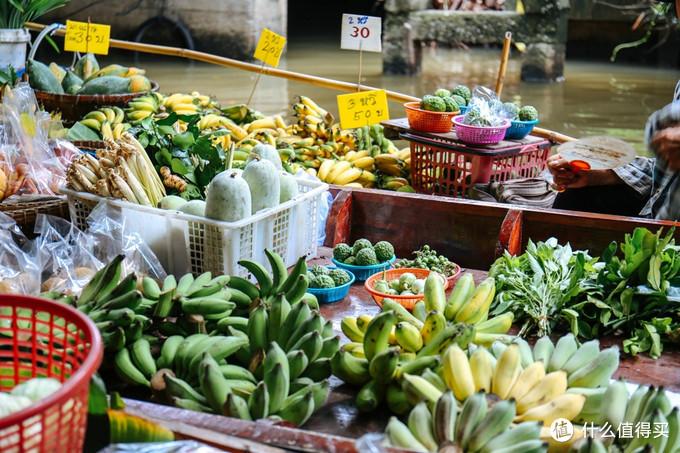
86 66
41 78
110 70
289 187
71 83
228 197
139 84
106 85
263 179
132 71
58 71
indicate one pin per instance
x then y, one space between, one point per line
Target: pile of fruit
444 100
475 429
85 77
428 258
221 344
386 349
406 285
325 278
363 253
524 113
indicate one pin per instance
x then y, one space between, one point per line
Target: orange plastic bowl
427 121
406 301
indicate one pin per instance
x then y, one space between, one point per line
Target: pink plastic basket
477 135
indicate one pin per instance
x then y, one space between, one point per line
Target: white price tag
361 33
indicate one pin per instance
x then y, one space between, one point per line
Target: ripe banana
567 405
477 308
551 386
408 337
482 365
458 373
507 370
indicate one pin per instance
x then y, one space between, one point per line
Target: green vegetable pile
632 289
363 253
428 258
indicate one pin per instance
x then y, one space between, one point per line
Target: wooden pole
289 75
505 55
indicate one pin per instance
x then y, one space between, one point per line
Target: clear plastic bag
19 271
106 225
486 110
28 163
64 254
371 443
183 446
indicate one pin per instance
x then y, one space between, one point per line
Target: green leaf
97 402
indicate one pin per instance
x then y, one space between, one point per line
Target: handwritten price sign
362 109
361 33
87 37
270 47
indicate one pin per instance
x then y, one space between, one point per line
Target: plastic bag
324 207
106 225
371 443
64 254
28 163
19 271
184 446
486 110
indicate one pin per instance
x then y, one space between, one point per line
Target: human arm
565 178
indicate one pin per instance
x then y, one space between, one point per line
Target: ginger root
172 181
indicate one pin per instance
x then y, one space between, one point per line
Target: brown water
595 98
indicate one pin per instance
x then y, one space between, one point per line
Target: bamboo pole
505 55
275 72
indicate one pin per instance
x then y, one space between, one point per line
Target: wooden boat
470 233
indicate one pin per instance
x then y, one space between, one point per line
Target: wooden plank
463 230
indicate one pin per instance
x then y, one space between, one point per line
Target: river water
594 99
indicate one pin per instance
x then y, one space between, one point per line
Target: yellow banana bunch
182 104
344 173
108 122
391 165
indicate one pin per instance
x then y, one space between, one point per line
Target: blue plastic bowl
519 129
464 109
362 273
331 295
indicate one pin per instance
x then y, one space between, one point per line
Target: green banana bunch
477 428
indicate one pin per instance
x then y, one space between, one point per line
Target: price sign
269 47
362 109
361 33
87 37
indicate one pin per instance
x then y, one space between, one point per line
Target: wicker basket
74 106
25 209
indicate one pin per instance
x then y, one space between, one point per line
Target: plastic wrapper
486 110
64 254
371 443
324 207
19 270
28 163
183 446
107 227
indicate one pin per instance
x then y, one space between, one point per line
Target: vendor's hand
563 176
666 143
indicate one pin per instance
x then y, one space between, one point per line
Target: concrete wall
226 27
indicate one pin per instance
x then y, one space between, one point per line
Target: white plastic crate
185 243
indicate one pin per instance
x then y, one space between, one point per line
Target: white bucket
13 43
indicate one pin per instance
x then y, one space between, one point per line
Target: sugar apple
433 103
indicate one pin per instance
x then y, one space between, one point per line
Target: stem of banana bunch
257 79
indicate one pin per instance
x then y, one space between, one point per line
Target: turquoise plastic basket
363 272
464 109
519 129
331 295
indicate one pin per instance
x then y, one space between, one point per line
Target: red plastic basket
43 338
478 135
441 171
427 121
